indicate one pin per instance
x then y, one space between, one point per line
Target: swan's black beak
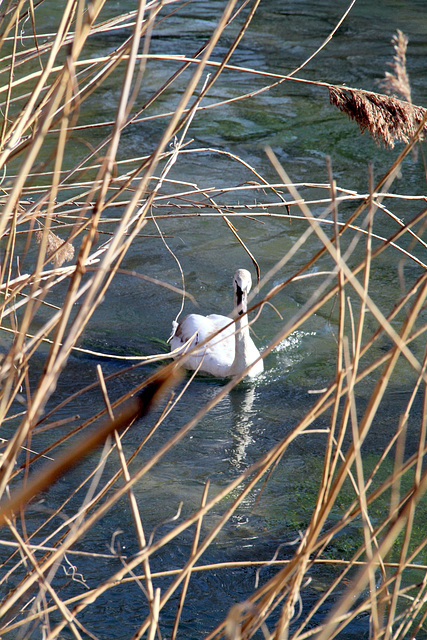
240 299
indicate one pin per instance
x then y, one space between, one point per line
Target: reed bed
68 221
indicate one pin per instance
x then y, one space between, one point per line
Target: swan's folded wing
217 356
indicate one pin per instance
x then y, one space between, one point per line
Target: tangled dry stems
81 211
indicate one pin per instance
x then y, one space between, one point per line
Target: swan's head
242 285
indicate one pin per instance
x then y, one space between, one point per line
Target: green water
135 317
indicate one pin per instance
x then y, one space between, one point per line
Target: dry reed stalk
414 315
136 192
399 460
406 507
64 315
181 527
328 470
138 407
131 496
354 562
62 319
85 311
348 273
188 576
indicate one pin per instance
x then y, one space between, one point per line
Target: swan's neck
241 355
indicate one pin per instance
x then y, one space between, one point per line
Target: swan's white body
229 352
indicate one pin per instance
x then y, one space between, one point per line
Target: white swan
232 350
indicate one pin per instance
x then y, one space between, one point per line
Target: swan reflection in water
227 354
242 430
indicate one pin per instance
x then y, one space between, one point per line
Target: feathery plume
386 118
397 82
59 250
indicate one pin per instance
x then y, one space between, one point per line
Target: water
302 128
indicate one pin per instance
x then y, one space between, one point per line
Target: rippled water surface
302 128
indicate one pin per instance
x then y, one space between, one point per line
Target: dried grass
101 205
